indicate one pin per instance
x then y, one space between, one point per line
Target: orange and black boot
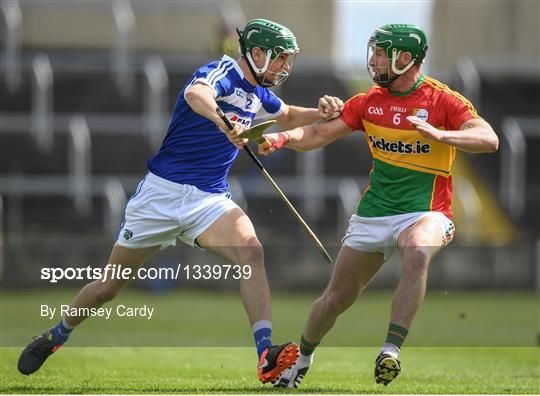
275 359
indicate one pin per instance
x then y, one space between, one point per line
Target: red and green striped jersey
409 173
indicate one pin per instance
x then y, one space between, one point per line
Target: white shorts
161 210
380 234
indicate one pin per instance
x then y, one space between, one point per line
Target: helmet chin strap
395 55
259 77
258 73
263 69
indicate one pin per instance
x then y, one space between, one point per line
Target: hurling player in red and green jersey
413 125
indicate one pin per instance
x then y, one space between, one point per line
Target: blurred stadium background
86 92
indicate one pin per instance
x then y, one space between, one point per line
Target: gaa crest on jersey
375 110
421 113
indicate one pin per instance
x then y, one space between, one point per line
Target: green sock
307 348
396 334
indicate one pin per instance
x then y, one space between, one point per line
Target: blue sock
60 332
262 333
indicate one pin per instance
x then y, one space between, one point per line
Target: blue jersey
195 151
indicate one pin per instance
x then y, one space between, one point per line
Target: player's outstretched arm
328 107
474 136
307 138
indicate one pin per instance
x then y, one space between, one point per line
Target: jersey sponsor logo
241 120
421 113
375 110
399 146
398 109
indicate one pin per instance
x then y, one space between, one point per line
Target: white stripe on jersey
219 76
206 80
223 64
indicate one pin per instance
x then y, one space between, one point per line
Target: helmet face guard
380 74
275 41
271 78
395 39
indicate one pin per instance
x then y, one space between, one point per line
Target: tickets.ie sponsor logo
399 146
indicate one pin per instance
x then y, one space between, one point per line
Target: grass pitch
233 370
462 343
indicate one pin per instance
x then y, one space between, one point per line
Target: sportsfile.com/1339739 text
117 271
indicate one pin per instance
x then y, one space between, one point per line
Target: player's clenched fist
329 107
233 135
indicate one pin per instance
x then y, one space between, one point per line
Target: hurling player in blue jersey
184 195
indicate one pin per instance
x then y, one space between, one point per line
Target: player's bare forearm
328 107
201 99
475 136
303 138
307 138
298 116
475 139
